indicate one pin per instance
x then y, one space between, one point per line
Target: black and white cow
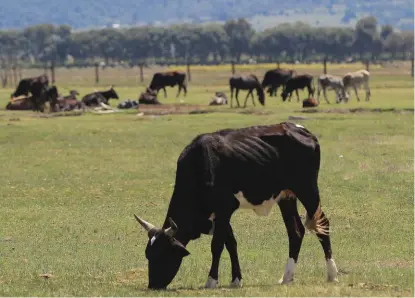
220 172
298 82
327 82
355 80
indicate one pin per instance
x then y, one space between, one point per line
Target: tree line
234 40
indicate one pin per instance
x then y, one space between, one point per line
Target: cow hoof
211 283
236 283
283 281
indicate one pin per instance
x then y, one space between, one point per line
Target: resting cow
219 99
251 168
148 98
94 99
335 83
298 82
310 102
276 78
20 103
355 80
171 78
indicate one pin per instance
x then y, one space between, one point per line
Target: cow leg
317 222
165 92
355 91
185 90
231 247
246 98
253 99
231 97
236 97
325 95
298 97
295 231
178 92
220 235
367 91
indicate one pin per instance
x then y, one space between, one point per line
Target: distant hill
261 13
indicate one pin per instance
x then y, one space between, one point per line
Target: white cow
330 82
355 80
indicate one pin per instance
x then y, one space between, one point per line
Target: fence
198 74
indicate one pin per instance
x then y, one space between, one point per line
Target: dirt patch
168 109
356 110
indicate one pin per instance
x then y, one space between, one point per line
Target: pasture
70 186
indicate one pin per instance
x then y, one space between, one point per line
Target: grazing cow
335 83
249 82
252 168
298 82
310 102
219 99
149 97
355 80
172 78
27 86
276 78
94 99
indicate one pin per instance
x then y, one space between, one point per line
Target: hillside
262 13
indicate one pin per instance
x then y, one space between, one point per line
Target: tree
240 34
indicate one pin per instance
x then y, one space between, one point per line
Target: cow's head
284 95
112 93
164 254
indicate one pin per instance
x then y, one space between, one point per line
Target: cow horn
146 225
173 228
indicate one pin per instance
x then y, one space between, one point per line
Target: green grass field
70 185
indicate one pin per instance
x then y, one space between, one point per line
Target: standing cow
355 80
218 173
298 82
327 82
172 78
275 78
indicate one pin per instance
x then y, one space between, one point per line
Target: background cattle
248 82
327 82
355 80
298 82
172 78
248 168
94 99
275 78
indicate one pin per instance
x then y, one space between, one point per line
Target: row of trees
211 43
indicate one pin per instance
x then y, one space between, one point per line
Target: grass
70 185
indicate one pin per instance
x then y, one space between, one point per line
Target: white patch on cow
262 209
211 283
236 283
152 240
289 272
331 271
298 125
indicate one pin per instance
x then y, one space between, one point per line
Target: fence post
52 71
189 77
20 73
233 67
15 75
96 73
45 68
412 66
367 64
141 72
325 65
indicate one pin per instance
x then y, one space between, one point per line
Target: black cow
276 78
94 99
298 82
249 82
31 85
254 168
43 95
172 78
